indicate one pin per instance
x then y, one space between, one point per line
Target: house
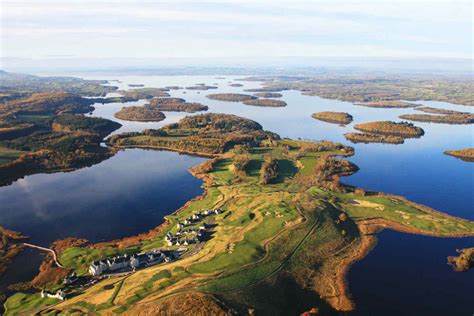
98 267
217 211
179 226
59 294
138 260
203 226
207 212
119 262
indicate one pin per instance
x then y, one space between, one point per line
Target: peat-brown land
333 117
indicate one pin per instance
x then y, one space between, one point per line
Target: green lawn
20 302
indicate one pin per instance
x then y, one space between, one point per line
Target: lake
130 192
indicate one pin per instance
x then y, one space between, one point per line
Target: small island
231 97
266 102
333 117
236 85
136 85
442 116
177 105
173 87
373 138
144 113
388 104
464 261
266 89
145 93
201 86
402 129
268 95
466 154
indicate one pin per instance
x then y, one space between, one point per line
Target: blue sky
258 29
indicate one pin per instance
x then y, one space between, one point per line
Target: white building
59 294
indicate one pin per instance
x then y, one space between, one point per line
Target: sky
44 30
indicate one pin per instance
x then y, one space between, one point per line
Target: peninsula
464 261
47 131
274 215
442 116
466 154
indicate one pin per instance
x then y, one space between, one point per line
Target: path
55 257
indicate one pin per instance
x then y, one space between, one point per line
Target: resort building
125 262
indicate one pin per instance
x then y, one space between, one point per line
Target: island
466 154
402 129
231 97
122 99
173 87
266 89
236 85
145 113
201 86
268 95
275 218
441 116
373 138
145 93
333 117
136 85
177 105
388 104
464 261
266 102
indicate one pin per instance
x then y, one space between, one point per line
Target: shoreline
369 229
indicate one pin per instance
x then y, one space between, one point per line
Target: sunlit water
130 192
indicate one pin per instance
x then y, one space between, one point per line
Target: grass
21 302
8 155
264 230
79 258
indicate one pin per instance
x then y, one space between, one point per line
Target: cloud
231 28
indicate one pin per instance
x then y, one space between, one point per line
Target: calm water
125 195
122 200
